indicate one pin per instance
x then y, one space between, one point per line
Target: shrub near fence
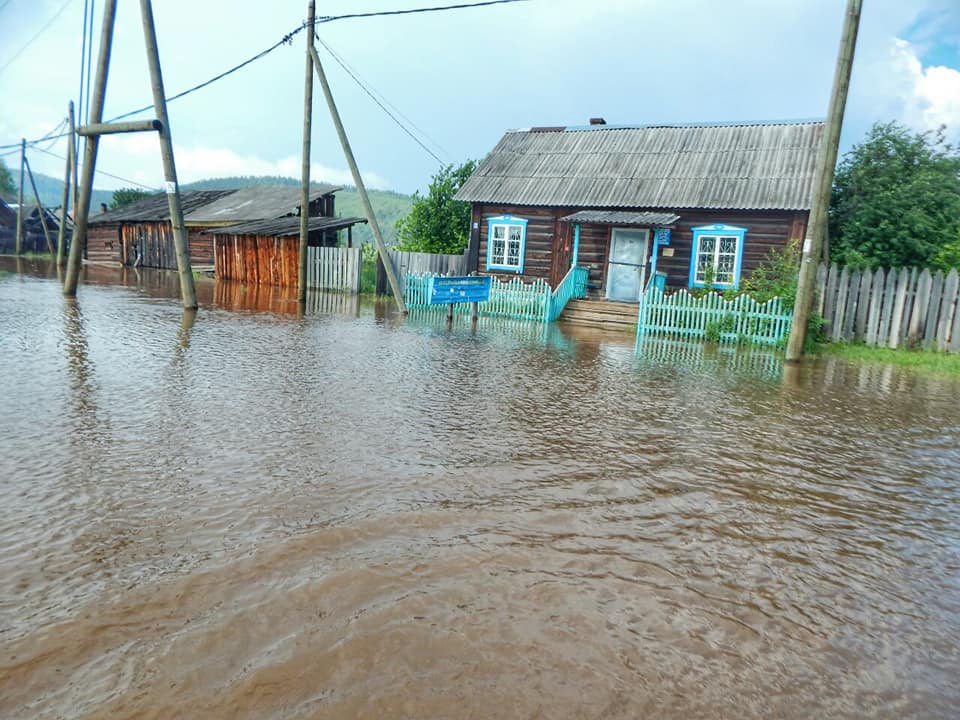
713 318
904 307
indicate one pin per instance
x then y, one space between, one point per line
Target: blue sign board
444 290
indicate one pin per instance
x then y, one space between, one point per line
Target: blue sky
464 77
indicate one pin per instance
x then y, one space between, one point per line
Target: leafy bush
776 276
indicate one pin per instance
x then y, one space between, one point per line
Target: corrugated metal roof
619 217
255 203
764 166
155 207
285 226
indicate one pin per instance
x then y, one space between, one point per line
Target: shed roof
255 203
155 207
620 217
285 226
762 166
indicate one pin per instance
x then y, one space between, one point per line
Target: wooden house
34 239
267 252
675 205
143 230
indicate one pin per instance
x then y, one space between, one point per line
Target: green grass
941 363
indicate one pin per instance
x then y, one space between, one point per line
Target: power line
414 11
287 39
38 34
377 101
103 172
7 2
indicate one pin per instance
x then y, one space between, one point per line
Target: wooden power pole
92 143
305 169
826 162
40 210
161 125
18 243
65 198
358 181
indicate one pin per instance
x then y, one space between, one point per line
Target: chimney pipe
598 121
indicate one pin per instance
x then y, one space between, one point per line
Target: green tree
896 200
125 196
437 223
8 187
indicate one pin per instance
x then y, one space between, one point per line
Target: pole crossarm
120 127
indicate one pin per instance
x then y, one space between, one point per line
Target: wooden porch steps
601 314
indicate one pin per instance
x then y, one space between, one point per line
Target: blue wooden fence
514 299
714 318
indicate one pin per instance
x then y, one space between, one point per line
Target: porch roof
618 217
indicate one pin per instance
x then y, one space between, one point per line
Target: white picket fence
331 268
905 307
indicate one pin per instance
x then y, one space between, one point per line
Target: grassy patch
942 363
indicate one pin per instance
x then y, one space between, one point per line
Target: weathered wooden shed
678 205
143 230
267 252
34 239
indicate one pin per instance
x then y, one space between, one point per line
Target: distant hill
51 191
389 206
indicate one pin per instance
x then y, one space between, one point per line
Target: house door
627 264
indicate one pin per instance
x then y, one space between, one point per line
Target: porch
623 266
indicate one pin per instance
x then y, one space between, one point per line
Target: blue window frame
506 242
716 256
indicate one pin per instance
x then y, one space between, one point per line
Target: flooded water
260 513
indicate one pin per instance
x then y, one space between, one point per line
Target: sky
459 79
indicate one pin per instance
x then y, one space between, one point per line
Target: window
506 238
716 256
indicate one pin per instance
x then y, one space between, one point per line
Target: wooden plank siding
549 242
257 259
103 244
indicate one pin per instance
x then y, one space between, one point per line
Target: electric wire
363 82
39 32
83 58
380 104
103 172
287 39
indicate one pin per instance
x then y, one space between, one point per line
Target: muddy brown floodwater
344 514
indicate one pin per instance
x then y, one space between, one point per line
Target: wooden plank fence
899 307
334 268
741 320
415 263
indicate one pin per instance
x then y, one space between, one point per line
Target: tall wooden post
82 208
18 243
358 181
40 211
826 161
305 169
65 198
188 294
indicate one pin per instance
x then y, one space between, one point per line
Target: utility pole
358 181
161 124
826 162
188 294
305 170
92 143
23 159
65 198
40 211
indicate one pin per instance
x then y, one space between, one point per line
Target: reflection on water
254 511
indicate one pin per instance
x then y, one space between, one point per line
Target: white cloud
921 97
